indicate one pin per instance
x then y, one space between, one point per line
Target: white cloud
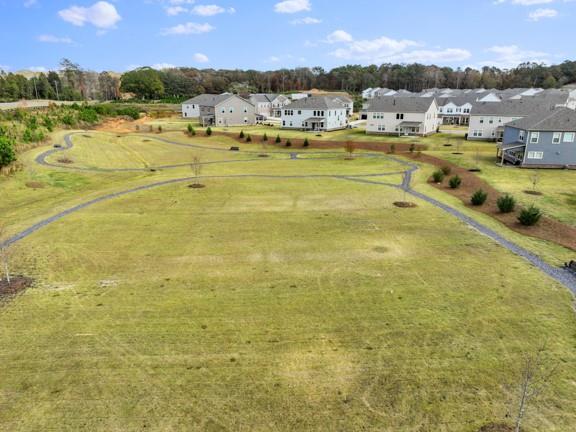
102 15
37 69
30 3
188 28
538 14
4 68
525 2
510 56
307 21
48 38
210 10
175 10
339 36
388 50
200 58
292 6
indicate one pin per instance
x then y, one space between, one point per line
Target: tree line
74 83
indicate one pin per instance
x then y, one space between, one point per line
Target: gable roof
414 104
557 120
316 102
209 100
520 107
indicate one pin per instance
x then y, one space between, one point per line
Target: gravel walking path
559 274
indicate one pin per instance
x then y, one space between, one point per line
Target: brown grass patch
197 186
35 185
496 427
65 160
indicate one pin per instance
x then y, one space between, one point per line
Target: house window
245 110
557 137
284 123
569 137
521 136
299 112
223 110
481 121
477 133
399 116
534 137
535 155
231 110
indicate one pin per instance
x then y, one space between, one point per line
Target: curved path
560 275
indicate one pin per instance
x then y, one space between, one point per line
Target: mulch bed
65 160
17 285
547 229
405 204
197 186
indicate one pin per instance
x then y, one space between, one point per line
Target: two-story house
542 140
315 113
269 105
411 115
220 110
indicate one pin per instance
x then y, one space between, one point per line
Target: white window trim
556 137
534 137
572 134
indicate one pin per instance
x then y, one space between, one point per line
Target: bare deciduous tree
535 377
196 167
4 253
350 148
535 179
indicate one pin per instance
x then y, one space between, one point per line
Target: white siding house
402 116
316 113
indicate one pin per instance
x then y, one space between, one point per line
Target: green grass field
264 304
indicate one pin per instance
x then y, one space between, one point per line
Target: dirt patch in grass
65 160
405 204
497 427
535 193
547 229
17 285
196 186
35 185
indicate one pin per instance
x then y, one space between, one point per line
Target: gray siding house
544 140
221 110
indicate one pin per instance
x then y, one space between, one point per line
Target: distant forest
72 82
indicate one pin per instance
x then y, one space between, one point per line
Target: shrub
241 136
393 148
479 198
68 120
159 129
455 182
446 170
530 216
506 204
265 137
438 176
209 131
248 138
288 143
7 153
88 115
412 147
191 130
278 139
306 143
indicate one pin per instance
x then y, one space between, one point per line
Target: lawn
264 304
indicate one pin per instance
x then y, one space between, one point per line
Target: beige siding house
234 111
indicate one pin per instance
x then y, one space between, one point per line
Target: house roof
316 102
519 107
209 100
557 120
264 97
415 104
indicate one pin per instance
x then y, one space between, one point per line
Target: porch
410 128
512 153
314 124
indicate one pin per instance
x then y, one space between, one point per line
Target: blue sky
270 34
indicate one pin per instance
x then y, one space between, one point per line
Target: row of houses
314 112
